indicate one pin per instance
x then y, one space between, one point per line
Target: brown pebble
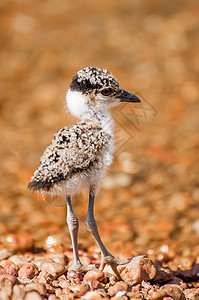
80 289
53 268
18 292
94 274
135 295
74 276
191 294
189 275
45 277
119 286
33 295
147 286
93 284
39 261
35 286
59 258
175 280
49 288
55 283
6 277
120 296
6 286
93 295
138 269
28 271
163 274
9 269
158 295
20 260
62 277
171 290
64 284
85 260
53 297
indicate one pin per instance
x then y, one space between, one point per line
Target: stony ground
149 201
46 276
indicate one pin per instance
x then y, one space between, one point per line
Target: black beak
128 97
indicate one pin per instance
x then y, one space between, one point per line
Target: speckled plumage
75 150
92 80
79 155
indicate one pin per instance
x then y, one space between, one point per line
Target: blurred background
150 196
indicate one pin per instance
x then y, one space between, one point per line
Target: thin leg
107 257
73 225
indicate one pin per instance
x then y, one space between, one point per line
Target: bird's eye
106 92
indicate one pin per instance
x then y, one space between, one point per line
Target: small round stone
28 271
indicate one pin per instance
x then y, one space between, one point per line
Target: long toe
79 268
113 262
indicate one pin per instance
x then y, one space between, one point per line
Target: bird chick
79 155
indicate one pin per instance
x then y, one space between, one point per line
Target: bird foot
113 263
79 268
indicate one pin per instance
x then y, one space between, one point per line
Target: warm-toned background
150 196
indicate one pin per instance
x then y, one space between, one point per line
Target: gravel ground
149 201
45 276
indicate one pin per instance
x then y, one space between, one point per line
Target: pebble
138 269
45 277
20 259
176 280
163 274
10 268
35 286
191 294
123 297
39 261
190 274
6 286
55 283
6 277
53 297
85 260
18 292
8 262
59 258
93 295
29 270
74 277
6 253
53 268
49 288
33 295
93 284
94 274
135 293
80 289
170 290
64 284
119 286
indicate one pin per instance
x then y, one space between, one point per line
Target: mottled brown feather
75 149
